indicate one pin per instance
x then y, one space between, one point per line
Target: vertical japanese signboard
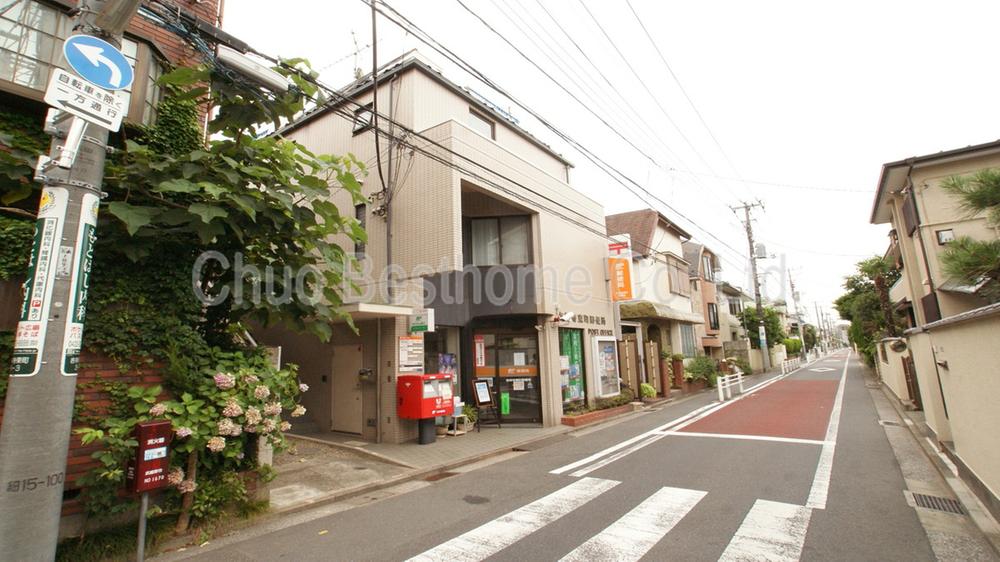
85 238
620 268
29 339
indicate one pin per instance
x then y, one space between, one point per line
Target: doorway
347 415
509 364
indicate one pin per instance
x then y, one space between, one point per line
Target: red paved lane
798 409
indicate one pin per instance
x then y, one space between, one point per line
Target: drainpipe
378 380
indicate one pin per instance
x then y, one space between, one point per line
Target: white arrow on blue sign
98 62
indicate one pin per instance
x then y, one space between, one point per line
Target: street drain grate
890 422
439 476
937 503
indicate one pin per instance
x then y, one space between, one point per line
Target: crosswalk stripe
771 531
490 538
631 537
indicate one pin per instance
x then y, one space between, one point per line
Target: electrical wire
615 174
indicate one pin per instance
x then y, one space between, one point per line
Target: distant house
703 270
661 317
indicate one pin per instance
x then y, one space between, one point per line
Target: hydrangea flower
187 486
225 381
299 410
285 426
253 416
216 444
261 392
226 426
269 425
251 379
250 428
158 410
183 432
303 387
175 476
232 409
272 409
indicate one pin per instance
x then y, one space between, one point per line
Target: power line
610 170
684 91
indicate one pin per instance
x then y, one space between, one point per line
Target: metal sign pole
140 549
35 434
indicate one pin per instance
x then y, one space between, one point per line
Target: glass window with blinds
501 240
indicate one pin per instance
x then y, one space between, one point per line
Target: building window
707 271
688 346
31 36
481 125
503 240
360 213
677 273
713 316
945 236
735 307
363 118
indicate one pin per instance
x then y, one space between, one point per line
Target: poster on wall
411 354
607 366
483 395
571 365
480 345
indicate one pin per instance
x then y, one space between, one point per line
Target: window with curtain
707 271
503 240
713 316
688 346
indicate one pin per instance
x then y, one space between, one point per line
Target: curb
981 518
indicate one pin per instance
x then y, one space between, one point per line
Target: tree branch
18 212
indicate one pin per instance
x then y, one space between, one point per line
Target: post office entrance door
347 415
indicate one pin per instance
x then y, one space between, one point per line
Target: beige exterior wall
930 390
427 217
972 394
890 369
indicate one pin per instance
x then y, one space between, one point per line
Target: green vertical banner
504 403
80 282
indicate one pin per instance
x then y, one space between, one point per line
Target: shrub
792 346
646 390
624 397
742 365
702 368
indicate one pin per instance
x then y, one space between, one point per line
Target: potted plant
647 392
677 368
700 374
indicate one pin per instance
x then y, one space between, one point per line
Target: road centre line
492 537
632 536
746 437
824 468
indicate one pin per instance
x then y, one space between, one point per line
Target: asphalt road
796 469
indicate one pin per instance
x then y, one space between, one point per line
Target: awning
953 285
646 309
370 311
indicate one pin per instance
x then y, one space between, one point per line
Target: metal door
347 415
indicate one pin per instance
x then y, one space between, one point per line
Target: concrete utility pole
802 318
34 439
819 327
761 332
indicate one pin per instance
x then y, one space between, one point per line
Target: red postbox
424 396
148 470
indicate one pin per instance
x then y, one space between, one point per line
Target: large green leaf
207 212
133 216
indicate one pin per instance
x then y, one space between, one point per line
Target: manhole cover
938 503
439 476
821 369
475 500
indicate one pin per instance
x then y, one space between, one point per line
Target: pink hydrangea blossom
285 426
187 486
225 426
272 409
261 392
232 409
183 432
253 416
225 381
251 379
299 411
158 410
303 387
250 428
175 476
216 444
269 425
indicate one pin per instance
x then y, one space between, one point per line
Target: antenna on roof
358 73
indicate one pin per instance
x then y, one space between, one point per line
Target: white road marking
488 539
824 469
747 437
631 537
771 531
655 434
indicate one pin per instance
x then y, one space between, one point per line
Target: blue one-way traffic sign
98 62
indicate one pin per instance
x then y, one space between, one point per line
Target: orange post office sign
620 272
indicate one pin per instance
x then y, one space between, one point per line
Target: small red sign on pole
148 470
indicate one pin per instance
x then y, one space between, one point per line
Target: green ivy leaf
207 212
178 185
134 217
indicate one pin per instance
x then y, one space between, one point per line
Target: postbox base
428 431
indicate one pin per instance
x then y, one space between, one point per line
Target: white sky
797 94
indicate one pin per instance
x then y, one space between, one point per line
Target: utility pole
795 304
819 327
761 331
34 438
